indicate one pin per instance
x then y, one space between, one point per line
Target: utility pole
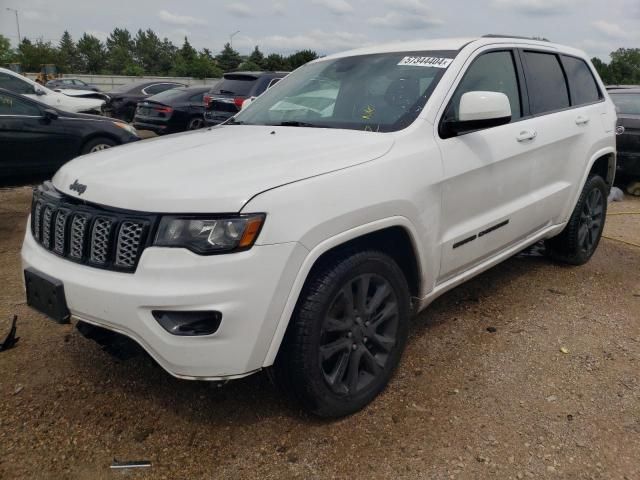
231 37
17 23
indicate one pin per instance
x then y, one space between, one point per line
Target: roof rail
495 35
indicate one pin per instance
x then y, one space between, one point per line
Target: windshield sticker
368 112
426 62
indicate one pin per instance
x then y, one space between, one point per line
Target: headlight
127 127
210 235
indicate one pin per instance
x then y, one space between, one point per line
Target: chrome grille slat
47 216
90 235
100 234
76 243
37 221
60 231
129 237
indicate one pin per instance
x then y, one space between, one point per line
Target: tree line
143 54
623 69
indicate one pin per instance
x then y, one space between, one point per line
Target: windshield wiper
233 121
295 123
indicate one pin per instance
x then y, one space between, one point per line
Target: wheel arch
396 236
93 136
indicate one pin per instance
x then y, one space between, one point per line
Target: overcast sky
326 26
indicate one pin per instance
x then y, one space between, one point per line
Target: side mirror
479 110
39 92
50 114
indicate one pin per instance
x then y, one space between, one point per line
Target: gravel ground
469 401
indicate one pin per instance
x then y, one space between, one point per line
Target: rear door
486 199
567 108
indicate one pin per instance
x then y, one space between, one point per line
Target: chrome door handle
582 120
527 135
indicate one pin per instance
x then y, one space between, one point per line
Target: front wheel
97 144
579 239
347 334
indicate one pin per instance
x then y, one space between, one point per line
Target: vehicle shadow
256 398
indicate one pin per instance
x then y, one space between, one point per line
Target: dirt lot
466 403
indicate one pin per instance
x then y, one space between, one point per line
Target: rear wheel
97 144
347 334
579 240
195 123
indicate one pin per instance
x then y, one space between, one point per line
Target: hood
69 103
216 170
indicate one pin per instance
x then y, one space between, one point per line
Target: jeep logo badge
78 187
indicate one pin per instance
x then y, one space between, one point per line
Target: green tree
7 55
67 54
151 52
276 62
120 52
624 67
249 66
228 59
257 58
32 55
92 54
300 58
602 69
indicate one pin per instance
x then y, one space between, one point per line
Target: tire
97 144
579 239
335 360
195 123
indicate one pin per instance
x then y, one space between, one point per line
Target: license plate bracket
46 294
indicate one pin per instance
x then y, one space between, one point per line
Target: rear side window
14 84
240 85
160 87
582 85
546 83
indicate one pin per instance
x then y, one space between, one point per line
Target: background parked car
71 83
125 98
172 111
225 99
37 138
76 101
627 100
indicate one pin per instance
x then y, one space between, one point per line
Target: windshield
627 103
380 92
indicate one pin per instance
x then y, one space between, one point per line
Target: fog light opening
188 324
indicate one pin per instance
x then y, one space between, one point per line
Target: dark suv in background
225 99
627 100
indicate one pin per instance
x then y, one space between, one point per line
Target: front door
486 199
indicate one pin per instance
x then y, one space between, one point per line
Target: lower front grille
87 234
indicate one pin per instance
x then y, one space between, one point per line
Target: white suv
305 232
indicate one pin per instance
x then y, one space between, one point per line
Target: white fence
107 83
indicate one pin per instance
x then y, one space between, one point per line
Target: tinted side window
159 87
546 82
16 106
14 84
491 72
582 85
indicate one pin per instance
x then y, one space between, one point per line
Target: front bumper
250 289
